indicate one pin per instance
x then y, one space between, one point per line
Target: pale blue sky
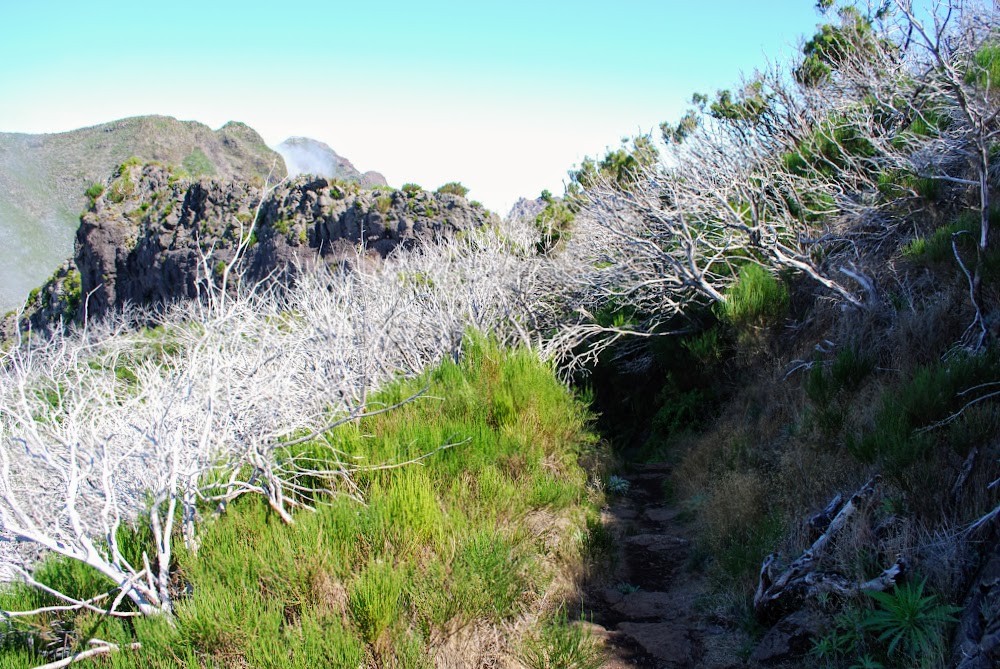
504 97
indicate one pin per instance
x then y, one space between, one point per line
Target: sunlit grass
436 544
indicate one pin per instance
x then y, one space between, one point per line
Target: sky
504 97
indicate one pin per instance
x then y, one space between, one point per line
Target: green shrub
176 175
490 575
985 67
844 639
739 554
375 599
453 188
95 191
72 291
844 374
835 145
911 623
937 248
598 543
756 299
283 226
707 347
340 189
829 387
550 491
929 395
383 203
679 410
411 188
553 224
121 188
561 644
897 183
404 511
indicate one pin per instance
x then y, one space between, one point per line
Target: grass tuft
756 299
436 545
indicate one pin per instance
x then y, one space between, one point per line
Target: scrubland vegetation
823 249
792 301
465 546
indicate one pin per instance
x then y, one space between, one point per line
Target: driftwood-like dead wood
99 648
778 592
819 523
958 489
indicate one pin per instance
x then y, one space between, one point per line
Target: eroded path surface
648 608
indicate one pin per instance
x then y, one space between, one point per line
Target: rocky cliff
43 179
526 209
151 236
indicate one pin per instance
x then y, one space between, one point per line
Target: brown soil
648 604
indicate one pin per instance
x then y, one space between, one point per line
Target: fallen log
780 592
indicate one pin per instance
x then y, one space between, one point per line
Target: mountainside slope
43 179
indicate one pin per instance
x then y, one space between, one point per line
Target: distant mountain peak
304 155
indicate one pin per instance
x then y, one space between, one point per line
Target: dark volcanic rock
977 639
151 237
791 637
668 642
43 179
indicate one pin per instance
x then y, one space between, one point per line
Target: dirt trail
647 607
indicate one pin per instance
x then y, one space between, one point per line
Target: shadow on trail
646 605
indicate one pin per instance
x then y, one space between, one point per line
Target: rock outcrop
151 236
526 209
43 179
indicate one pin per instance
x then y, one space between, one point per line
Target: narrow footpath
648 607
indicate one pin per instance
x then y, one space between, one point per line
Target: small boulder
791 637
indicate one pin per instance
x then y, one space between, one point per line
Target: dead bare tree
725 196
959 58
111 426
926 87
794 172
778 592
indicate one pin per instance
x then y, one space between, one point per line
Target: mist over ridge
303 155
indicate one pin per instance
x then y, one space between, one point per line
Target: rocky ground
649 606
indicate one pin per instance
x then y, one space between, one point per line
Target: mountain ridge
145 240
43 178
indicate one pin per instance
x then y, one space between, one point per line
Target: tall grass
756 299
435 545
